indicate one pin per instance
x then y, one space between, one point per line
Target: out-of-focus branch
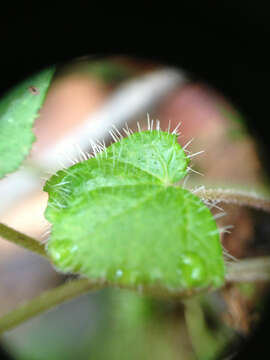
22 240
232 196
249 270
46 301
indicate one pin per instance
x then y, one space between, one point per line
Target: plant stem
249 270
250 199
22 240
46 301
207 344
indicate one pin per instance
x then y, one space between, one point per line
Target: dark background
225 44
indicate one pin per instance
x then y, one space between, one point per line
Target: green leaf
18 111
119 217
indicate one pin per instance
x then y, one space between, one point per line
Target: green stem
249 270
238 197
46 301
206 344
257 269
22 240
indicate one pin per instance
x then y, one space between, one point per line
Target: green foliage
237 127
207 344
108 71
18 111
140 327
119 217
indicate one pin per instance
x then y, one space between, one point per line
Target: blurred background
87 97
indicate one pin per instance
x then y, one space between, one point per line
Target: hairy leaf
18 111
119 217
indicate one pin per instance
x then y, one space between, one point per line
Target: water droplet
119 273
62 253
123 276
55 255
192 269
74 248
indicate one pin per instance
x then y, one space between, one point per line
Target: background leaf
18 111
119 217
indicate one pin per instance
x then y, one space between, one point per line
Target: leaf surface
119 217
18 111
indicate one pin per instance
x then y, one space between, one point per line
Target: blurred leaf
109 71
248 290
237 129
18 111
207 344
138 329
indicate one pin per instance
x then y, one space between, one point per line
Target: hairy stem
46 301
22 240
249 270
229 196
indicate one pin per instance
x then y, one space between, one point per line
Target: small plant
121 217
118 217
